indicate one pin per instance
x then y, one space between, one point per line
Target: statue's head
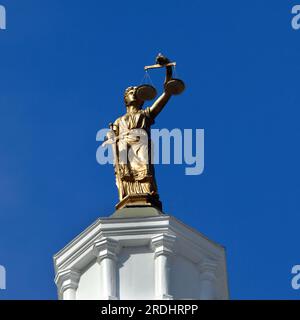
131 99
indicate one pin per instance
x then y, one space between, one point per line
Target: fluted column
67 283
208 280
163 247
106 251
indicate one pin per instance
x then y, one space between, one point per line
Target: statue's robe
135 172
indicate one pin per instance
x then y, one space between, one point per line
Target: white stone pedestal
140 253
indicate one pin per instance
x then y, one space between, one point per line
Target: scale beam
155 66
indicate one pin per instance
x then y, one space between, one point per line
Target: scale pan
146 92
175 86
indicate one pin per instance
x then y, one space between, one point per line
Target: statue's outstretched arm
159 104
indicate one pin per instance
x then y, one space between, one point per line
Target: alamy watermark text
2 278
296 17
2 17
296 277
188 147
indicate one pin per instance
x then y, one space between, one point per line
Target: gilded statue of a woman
130 134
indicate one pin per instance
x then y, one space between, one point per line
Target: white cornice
136 231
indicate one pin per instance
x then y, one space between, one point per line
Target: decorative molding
208 270
163 244
106 248
67 279
190 242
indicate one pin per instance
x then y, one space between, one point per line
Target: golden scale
174 86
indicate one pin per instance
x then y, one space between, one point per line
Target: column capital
163 244
67 279
106 248
208 269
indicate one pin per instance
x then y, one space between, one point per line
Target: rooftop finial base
143 199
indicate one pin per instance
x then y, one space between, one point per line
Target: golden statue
131 141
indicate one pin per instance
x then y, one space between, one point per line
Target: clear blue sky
63 68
